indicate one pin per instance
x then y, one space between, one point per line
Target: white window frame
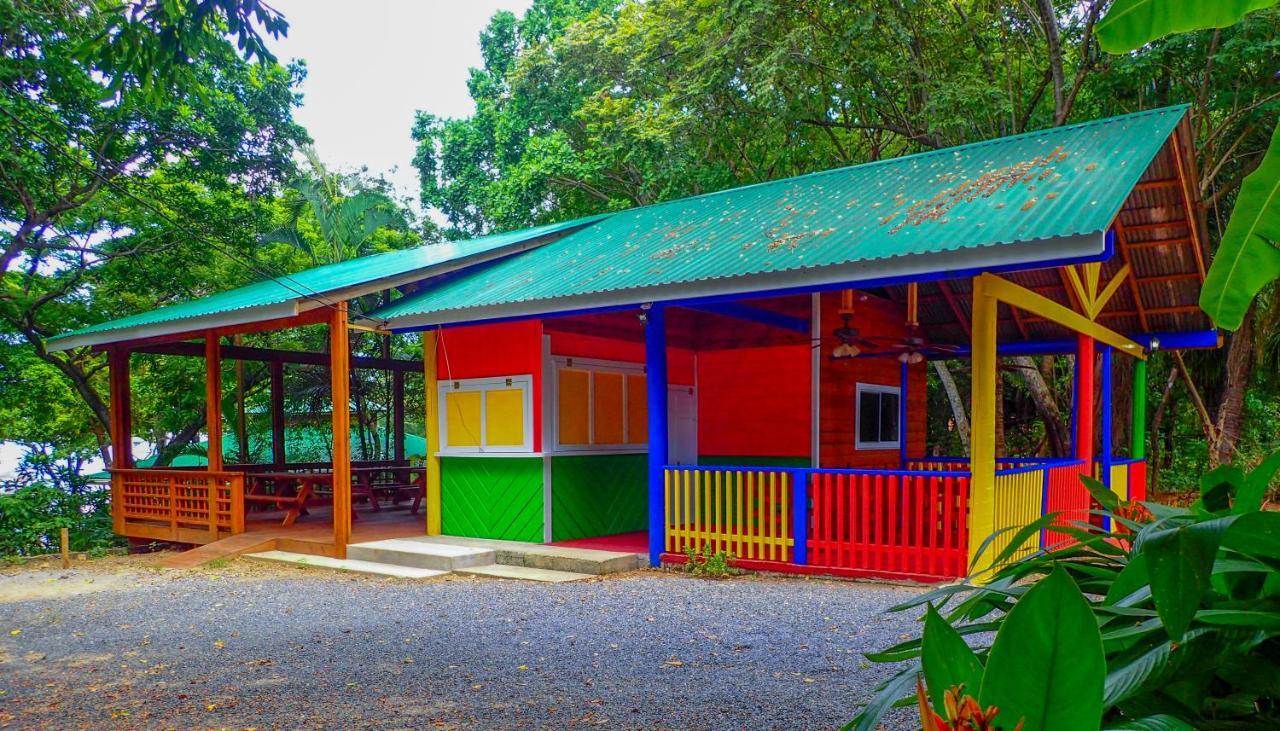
592 366
877 388
522 382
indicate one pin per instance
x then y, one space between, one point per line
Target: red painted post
1084 401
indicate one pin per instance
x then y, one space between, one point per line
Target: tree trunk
953 396
1239 360
1046 405
1154 460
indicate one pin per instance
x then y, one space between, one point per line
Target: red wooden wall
498 349
754 402
837 413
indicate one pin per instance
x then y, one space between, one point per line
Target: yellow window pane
637 411
573 406
462 418
504 417
608 394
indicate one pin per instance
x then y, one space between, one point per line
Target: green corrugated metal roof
1018 200
313 284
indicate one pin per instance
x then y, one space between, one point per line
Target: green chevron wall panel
492 497
598 495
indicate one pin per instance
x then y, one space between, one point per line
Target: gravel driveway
247 646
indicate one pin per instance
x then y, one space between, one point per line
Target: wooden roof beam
1121 244
269 355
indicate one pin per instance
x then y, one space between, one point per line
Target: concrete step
416 554
538 556
504 571
363 567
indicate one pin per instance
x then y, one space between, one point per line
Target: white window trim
591 366
523 382
860 389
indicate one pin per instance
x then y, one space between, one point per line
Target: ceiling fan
912 346
852 343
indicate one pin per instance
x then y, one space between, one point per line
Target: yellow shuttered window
486 415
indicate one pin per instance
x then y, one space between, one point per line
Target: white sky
372 64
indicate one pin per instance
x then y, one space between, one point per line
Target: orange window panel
573 406
608 401
637 410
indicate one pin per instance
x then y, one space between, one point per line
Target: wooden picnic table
291 491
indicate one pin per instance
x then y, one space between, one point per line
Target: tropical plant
1248 256
1172 621
32 516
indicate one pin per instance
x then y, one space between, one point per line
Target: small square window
877 416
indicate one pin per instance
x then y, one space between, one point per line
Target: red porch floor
637 542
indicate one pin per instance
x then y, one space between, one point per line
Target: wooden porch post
1084 401
121 409
655 355
277 414
431 461
982 459
1138 432
397 414
121 430
340 387
213 398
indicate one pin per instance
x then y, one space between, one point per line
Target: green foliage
1169 624
148 43
1248 257
31 519
707 563
1131 24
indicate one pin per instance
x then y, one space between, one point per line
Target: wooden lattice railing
184 506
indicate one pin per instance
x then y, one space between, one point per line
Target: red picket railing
1066 495
889 523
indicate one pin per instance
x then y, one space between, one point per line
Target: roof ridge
916 155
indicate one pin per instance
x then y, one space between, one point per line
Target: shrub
32 516
1171 622
708 564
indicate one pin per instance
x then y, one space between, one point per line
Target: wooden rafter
1017 296
1158 243
1122 245
954 304
1188 203
1154 184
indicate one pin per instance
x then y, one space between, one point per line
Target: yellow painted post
431 461
982 460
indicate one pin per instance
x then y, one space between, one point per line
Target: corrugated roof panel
315 284
1047 185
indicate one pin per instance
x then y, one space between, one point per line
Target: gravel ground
249 646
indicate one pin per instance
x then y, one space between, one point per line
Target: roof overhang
918 267
246 317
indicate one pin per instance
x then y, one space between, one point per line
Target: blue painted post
800 517
655 354
1104 454
902 416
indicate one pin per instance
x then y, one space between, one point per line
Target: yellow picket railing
1019 497
745 512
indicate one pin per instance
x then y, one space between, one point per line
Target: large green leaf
947 659
1255 534
1147 670
1159 722
1249 496
1131 24
1046 665
890 692
1180 564
1248 257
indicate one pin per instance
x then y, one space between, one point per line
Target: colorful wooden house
746 369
